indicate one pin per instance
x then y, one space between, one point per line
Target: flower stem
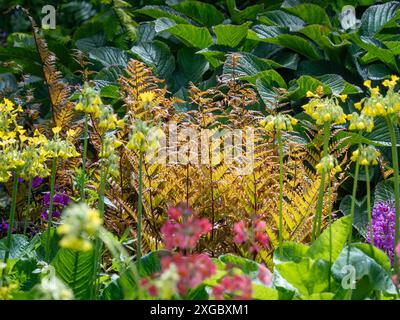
279 136
85 146
50 214
12 216
352 207
395 161
98 244
330 231
318 215
28 205
139 210
371 232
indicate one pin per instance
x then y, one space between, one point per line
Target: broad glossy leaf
198 37
384 191
158 55
163 12
307 276
109 56
18 248
201 12
291 251
310 13
376 277
76 269
320 249
192 65
282 19
360 212
240 16
230 35
260 292
377 16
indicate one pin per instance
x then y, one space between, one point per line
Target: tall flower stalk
279 123
50 212
143 140
325 111
89 103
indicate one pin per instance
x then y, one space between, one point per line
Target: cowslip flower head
144 138
278 122
109 154
79 223
108 120
326 109
89 101
366 155
328 164
61 148
379 104
360 122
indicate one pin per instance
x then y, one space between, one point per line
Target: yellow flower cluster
147 97
378 104
19 151
366 155
278 122
328 163
325 109
360 122
109 154
89 101
79 223
108 120
144 138
61 148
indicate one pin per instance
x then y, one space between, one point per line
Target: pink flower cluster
192 269
184 228
256 236
236 287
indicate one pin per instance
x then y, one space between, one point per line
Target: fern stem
316 230
139 210
371 232
279 136
395 162
28 205
11 217
50 214
84 155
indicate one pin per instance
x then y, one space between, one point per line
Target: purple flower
60 200
3 226
383 227
36 182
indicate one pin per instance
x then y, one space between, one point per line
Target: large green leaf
384 191
192 65
158 55
230 35
151 262
369 274
307 276
282 19
291 251
109 56
376 17
76 269
310 13
290 41
198 37
360 212
163 12
18 247
260 292
320 249
201 12
240 16
246 265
